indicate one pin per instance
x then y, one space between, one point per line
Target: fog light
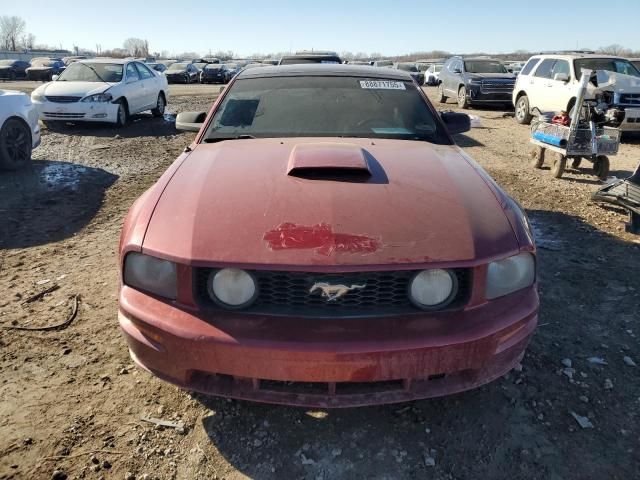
232 288
431 289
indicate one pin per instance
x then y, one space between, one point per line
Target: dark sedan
213 73
12 69
45 68
182 72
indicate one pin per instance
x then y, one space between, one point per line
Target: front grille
64 115
630 99
288 293
497 86
59 99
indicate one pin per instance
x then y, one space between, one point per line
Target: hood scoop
329 161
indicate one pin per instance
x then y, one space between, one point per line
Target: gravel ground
71 400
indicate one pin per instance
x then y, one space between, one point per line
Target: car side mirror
456 122
54 77
561 77
190 121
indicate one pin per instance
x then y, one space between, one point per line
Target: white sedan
102 90
19 129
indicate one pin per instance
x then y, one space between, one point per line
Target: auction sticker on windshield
382 85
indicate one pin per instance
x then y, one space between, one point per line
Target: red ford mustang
323 242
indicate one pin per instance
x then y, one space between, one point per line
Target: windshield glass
325 107
437 68
407 67
92 72
617 65
229 66
484 66
212 66
299 60
200 65
178 67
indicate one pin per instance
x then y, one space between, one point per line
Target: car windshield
7 62
212 66
484 66
177 67
437 68
92 72
229 66
200 65
617 65
314 106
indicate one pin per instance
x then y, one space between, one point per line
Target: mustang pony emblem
333 292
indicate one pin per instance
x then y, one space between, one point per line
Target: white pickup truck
550 83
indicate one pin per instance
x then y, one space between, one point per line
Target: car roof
325 70
575 56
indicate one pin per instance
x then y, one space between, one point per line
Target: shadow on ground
517 427
142 125
49 201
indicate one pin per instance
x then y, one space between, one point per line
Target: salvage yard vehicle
416 74
635 62
325 253
19 129
182 72
432 74
550 83
213 73
102 90
13 69
45 68
475 81
310 57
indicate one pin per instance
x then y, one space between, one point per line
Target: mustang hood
241 202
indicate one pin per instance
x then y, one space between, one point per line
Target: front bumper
478 95
336 362
631 121
78 111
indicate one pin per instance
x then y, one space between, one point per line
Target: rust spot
319 237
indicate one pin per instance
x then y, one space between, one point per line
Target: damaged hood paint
234 202
74 89
614 82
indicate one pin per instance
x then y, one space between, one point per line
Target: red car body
434 209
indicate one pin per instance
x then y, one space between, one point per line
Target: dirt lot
71 400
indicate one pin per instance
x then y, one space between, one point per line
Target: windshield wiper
94 71
222 139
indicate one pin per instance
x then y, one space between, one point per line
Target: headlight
511 274
98 97
232 288
151 274
432 289
36 97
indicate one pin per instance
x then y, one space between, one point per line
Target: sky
387 27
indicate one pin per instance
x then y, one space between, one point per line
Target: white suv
550 83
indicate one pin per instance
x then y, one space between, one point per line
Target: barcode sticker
382 85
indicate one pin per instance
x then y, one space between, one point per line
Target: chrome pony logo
334 292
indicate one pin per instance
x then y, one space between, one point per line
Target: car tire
441 97
537 157
463 101
161 103
558 166
122 117
601 167
522 111
15 144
